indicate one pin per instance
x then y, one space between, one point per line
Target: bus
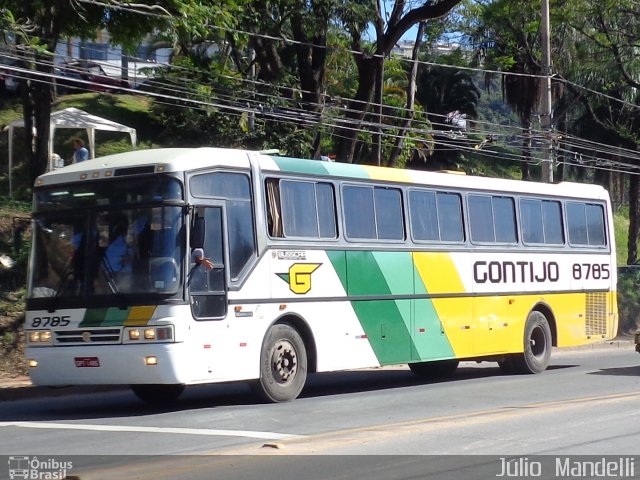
312 266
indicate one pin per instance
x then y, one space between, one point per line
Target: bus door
207 281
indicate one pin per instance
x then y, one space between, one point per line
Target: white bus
315 266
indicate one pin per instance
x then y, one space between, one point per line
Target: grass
621 232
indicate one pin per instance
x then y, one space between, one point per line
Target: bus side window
586 224
235 189
207 285
274 212
301 208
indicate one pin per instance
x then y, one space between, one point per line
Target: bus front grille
596 314
89 336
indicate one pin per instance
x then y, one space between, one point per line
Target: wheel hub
537 341
284 362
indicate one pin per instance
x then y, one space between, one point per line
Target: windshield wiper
110 277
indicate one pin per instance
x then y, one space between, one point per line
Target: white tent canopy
71 118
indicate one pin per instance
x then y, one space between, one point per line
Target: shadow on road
619 371
123 403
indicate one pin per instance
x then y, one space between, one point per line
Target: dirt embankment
13 245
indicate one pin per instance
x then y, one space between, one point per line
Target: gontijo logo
299 276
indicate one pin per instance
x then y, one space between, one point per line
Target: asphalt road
384 423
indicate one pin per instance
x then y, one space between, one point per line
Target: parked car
88 75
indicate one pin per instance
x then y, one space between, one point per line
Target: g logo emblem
299 277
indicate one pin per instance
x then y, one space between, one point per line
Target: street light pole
545 92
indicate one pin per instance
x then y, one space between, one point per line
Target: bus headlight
39 337
162 333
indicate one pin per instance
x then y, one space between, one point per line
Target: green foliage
629 299
621 232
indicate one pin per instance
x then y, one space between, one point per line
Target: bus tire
537 346
158 394
283 365
436 369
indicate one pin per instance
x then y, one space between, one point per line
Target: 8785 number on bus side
591 271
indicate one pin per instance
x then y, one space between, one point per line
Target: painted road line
165 430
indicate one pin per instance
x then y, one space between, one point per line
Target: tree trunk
411 97
311 57
379 95
526 150
634 228
398 23
358 107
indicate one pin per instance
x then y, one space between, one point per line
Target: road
586 403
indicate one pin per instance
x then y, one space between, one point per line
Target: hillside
13 219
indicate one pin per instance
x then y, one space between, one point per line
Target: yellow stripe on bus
139 316
388 174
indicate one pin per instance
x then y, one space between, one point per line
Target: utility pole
545 92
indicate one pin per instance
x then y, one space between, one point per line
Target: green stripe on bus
311 167
318 167
346 170
104 317
386 322
399 330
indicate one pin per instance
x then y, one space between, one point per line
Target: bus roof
186 159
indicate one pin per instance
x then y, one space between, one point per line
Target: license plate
82 362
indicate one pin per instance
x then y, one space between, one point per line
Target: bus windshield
101 251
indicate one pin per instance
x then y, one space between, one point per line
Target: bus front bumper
109 365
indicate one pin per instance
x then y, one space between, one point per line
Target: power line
346 124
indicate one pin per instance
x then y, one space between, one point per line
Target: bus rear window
586 224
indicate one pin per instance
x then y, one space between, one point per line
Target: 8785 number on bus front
54 321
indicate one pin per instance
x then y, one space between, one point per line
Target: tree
508 37
41 25
369 59
607 61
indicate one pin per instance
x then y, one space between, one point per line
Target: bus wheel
283 365
158 394
437 369
537 346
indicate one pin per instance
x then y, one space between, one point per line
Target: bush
629 299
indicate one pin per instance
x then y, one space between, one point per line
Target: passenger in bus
199 281
197 257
